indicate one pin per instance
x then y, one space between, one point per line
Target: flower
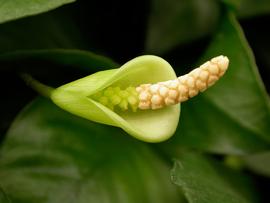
142 97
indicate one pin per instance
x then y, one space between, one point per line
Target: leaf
242 94
251 8
234 4
178 22
11 10
233 116
150 126
248 8
86 60
3 197
205 181
259 163
51 156
45 31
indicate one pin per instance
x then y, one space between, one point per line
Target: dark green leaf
51 156
234 4
250 8
11 10
177 22
3 197
45 31
69 57
233 116
205 181
259 163
241 94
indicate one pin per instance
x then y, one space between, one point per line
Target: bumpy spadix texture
115 97
162 94
155 96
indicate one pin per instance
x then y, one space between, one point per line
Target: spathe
150 125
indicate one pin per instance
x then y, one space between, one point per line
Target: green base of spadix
117 98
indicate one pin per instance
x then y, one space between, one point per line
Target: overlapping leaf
11 10
51 156
3 197
250 8
259 163
45 31
85 60
176 22
205 181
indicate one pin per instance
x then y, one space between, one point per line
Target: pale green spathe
146 125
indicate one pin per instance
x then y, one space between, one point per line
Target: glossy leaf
233 116
51 156
177 22
85 60
205 181
150 125
45 31
11 10
242 93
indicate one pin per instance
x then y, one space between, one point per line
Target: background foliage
220 151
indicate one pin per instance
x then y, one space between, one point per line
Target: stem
42 89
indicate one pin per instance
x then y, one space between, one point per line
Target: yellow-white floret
155 96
